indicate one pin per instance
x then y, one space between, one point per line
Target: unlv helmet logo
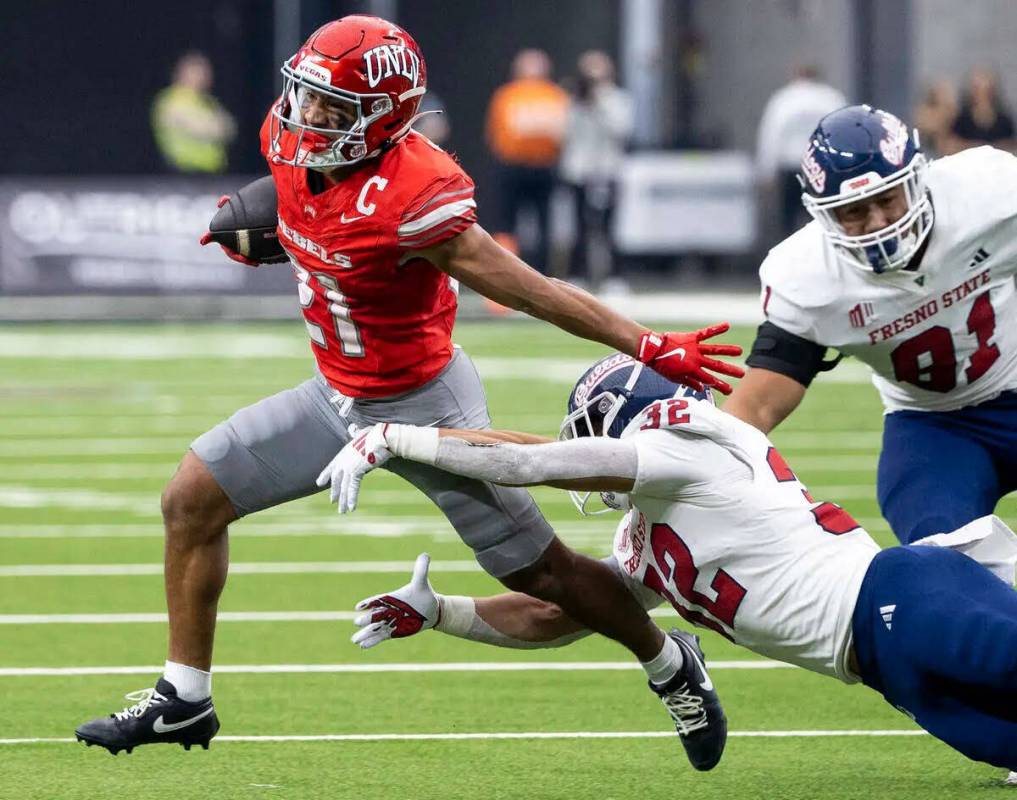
812 171
387 60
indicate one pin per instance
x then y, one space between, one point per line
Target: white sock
667 662
191 684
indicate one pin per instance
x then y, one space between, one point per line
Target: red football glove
207 238
681 358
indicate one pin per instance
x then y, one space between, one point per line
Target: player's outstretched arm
590 464
477 261
507 620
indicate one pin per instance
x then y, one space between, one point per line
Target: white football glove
366 451
404 612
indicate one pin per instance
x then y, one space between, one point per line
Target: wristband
649 345
413 443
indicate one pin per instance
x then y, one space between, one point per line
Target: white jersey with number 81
937 338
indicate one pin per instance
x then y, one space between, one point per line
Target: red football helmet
365 76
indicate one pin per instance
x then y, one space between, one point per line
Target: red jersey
387 327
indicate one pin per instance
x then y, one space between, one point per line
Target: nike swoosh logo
345 221
707 684
679 351
159 727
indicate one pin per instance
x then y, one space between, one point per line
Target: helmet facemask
595 418
324 148
889 248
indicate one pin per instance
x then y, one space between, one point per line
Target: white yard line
591 532
174 446
509 735
144 618
146 501
237 568
449 666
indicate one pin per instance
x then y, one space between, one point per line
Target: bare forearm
477 261
511 620
578 312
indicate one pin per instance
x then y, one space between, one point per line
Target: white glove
404 612
368 450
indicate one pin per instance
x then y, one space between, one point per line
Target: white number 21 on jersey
345 329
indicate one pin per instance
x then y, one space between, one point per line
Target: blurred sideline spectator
982 118
598 126
788 120
525 122
434 125
190 126
935 115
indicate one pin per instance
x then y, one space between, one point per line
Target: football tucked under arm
245 224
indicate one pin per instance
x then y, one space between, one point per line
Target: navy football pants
940 470
936 634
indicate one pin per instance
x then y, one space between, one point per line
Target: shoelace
686 710
142 699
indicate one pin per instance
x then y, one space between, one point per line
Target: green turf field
94 420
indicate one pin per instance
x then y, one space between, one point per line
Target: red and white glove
367 451
681 358
207 239
404 612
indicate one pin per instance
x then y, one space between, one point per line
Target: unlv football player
380 227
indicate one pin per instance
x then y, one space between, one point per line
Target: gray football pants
271 452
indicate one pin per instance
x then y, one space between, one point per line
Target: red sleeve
440 212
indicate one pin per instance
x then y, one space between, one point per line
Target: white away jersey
941 337
722 529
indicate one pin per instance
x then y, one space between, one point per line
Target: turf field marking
90 471
448 666
508 735
314 527
237 568
144 618
147 500
174 446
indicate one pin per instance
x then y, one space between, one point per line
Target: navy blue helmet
613 392
855 153
608 396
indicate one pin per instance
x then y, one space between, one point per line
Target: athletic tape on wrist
413 443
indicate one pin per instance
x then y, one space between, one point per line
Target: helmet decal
893 145
315 72
813 172
387 60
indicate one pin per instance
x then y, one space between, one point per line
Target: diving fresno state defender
379 225
721 528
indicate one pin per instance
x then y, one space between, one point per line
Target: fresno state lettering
379 318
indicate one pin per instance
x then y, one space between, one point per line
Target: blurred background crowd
623 144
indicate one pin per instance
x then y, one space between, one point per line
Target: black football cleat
692 702
157 715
